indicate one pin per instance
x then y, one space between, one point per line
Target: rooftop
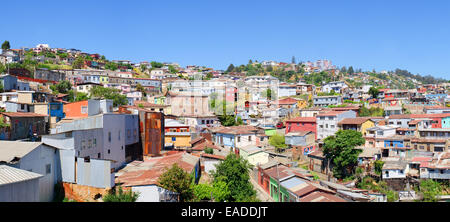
147 172
11 151
9 175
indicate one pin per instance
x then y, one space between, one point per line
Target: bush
120 196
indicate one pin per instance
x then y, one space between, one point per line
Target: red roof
330 113
148 172
287 101
302 119
320 196
213 156
21 114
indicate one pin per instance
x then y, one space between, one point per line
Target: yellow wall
24 98
302 104
41 109
366 125
181 141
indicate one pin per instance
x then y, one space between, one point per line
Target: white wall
36 161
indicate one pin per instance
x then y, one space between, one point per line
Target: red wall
302 126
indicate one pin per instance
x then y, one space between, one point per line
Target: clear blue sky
378 34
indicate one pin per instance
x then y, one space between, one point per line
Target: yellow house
254 155
302 104
104 79
360 124
178 139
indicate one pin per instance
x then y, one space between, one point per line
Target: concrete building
327 122
327 100
18 185
35 157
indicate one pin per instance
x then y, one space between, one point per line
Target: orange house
76 109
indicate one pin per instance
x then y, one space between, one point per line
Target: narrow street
261 194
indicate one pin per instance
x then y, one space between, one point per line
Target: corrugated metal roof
10 175
10 150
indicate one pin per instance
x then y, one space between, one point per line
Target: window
98 155
174 139
95 142
48 169
321 126
84 109
119 134
239 139
83 144
109 151
332 126
128 133
249 138
109 136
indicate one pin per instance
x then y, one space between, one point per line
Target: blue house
8 82
56 111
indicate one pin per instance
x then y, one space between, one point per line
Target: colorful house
360 124
299 124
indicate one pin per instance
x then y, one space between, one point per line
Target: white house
34 157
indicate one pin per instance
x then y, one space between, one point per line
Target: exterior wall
180 141
131 129
41 109
446 122
332 128
22 128
95 173
301 126
394 174
36 161
26 191
245 140
224 140
257 158
9 82
210 165
75 109
403 123
365 126
25 97
296 140
153 193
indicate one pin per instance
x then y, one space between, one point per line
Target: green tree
227 120
350 70
234 172
374 92
6 45
109 93
121 196
111 66
208 150
219 191
269 68
430 190
239 121
61 87
378 167
156 64
278 141
230 68
172 69
78 63
269 94
177 180
339 149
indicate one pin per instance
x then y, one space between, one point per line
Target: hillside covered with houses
75 126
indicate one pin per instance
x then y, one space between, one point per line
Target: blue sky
378 34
